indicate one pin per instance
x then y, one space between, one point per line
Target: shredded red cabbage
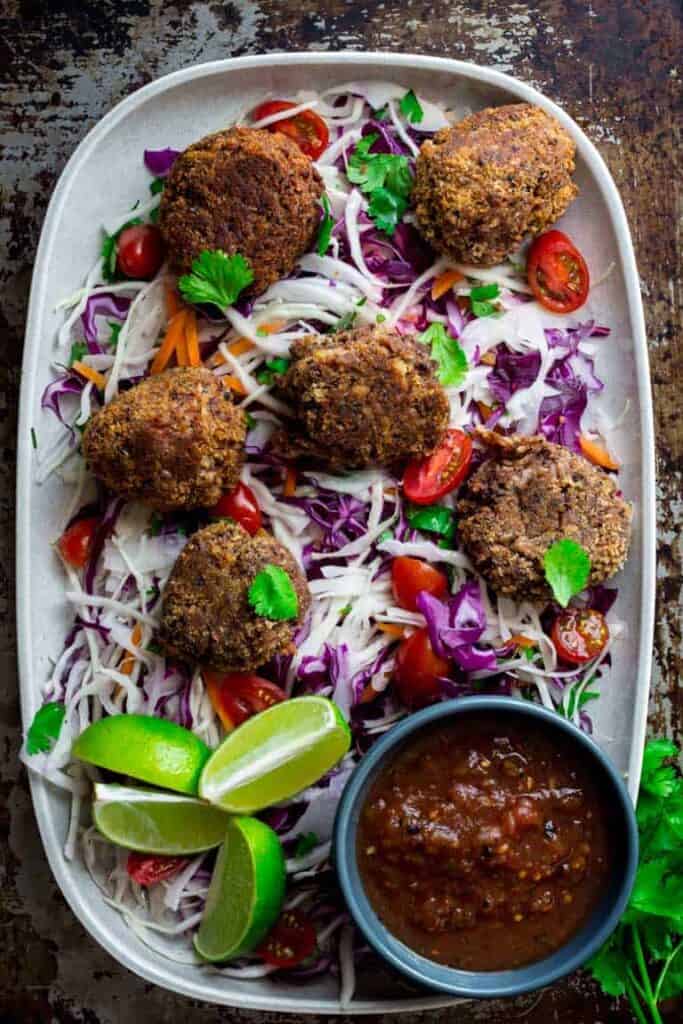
106 304
455 627
160 161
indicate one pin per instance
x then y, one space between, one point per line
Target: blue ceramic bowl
487 984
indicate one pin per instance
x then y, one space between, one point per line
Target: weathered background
613 64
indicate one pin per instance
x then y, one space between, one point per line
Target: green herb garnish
567 567
78 350
251 422
433 519
381 114
45 728
305 843
272 594
325 229
410 108
115 331
216 278
480 299
344 323
274 368
155 524
643 958
157 186
385 178
447 353
34 439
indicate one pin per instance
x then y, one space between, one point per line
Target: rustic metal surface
613 64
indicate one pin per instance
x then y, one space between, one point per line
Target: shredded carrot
169 345
128 661
368 694
521 641
235 384
239 347
192 339
181 346
289 486
392 628
488 359
272 328
444 282
485 411
173 303
98 379
595 452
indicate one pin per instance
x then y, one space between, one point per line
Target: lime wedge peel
246 893
153 750
149 821
275 755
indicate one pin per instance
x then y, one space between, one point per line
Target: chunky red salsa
484 846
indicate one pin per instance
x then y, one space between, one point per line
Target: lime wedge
275 754
151 749
154 822
246 892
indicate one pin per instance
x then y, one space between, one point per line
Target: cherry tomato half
417 670
239 695
557 272
409 576
426 480
579 634
242 506
308 130
140 251
289 942
147 869
76 542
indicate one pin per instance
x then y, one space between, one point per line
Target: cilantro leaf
274 368
658 778
216 278
344 323
305 843
447 353
157 186
115 331
410 108
272 594
609 967
325 229
385 177
433 519
480 297
381 114
386 209
567 567
78 350
45 728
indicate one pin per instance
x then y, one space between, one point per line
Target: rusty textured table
613 64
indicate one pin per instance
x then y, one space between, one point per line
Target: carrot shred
239 347
597 454
98 379
289 486
444 282
485 411
521 641
173 303
192 339
235 384
272 328
488 358
392 628
128 661
174 332
181 347
368 694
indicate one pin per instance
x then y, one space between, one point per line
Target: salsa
484 846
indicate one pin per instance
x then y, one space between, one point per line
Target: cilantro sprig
643 958
480 299
446 353
216 278
273 368
45 728
109 251
326 224
384 177
410 108
433 519
272 594
567 566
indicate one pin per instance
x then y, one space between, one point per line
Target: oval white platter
106 175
